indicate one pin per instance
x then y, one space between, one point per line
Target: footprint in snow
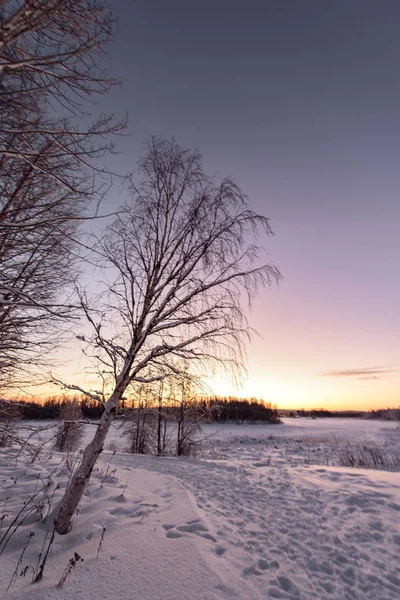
262 566
195 527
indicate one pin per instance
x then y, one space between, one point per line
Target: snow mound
139 533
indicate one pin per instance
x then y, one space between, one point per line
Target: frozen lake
292 428
306 426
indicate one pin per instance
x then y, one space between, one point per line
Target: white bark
77 486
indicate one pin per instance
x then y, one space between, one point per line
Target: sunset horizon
199 299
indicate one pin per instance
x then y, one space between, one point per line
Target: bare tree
51 52
190 413
161 421
70 430
51 57
139 422
182 256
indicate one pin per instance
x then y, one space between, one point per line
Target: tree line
242 410
218 409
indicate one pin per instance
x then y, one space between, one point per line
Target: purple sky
300 102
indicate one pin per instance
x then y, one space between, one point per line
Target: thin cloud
363 373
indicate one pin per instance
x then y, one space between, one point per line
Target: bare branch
52 57
184 253
76 388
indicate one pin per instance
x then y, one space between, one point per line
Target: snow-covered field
291 427
217 434
262 512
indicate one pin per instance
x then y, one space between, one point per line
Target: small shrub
188 442
112 446
140 426
70 431
10 414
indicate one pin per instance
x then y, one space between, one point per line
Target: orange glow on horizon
317 392
308 394
283 382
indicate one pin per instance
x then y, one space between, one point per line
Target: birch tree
51 57
180 257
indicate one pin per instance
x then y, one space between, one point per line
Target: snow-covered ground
263 512
290 428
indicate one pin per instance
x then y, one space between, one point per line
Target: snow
133 542
259 519
290 428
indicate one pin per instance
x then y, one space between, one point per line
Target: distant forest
242 410
215 409
386 414
218 409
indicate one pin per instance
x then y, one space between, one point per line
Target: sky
299 102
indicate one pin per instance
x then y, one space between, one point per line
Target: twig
39 574
101 540
68 570
14 575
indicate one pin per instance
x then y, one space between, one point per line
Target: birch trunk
77 486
